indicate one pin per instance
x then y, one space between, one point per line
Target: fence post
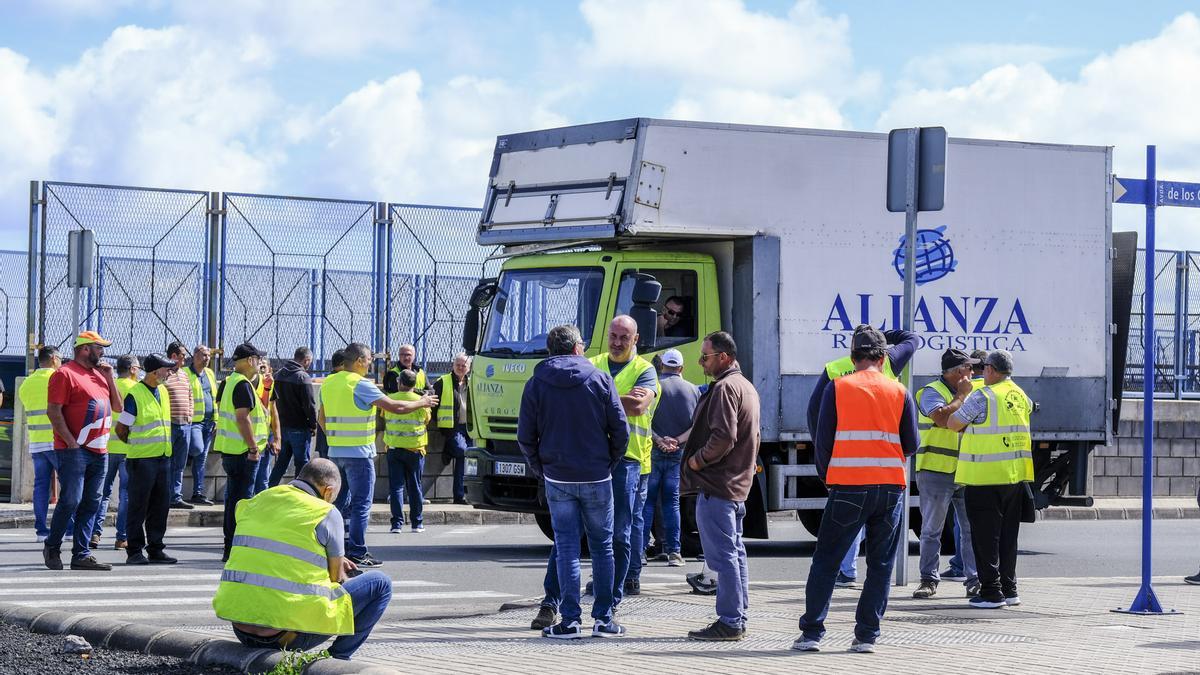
32 296
1180 321
223 217
387 284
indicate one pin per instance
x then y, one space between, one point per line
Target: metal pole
1146 602
213 306
1178 369
910 292
32 298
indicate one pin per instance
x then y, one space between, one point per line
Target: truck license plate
510 469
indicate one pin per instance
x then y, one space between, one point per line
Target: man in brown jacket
721 450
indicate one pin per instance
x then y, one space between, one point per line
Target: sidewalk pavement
1064 626
1107 508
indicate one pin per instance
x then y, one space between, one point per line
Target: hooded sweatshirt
294 397
572 428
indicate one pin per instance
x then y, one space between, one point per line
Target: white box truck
781 236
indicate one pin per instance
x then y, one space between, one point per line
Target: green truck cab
534 293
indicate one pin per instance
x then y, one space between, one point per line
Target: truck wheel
689 534
811 520
543 521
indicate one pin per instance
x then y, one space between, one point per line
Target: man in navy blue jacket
572 431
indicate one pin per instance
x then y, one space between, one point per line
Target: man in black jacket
297 408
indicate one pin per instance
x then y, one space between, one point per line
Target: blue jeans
404 473
116 466
849 509
263 472
662 488
294 446
354 501
185 439
956 560
455 448
720 524
202 434
849 566
938 494
44 466
629 498
239 483
578 509
80 473
370 594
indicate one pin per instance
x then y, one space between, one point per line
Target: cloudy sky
402 101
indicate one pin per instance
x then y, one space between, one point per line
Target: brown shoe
119 545
95 541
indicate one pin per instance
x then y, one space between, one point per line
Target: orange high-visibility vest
866 445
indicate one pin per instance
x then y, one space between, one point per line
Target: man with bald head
637 385
313 592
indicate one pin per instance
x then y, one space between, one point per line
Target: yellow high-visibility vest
998 450
641 444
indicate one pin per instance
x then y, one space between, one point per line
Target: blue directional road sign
1170 193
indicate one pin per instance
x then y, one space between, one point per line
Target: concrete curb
203 650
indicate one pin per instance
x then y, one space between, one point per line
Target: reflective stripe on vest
346 425
939 445
446 403
198 391
150 433
34 395
641 444
115 445
277 575
405 430
998 450
866 445
844 366
228 440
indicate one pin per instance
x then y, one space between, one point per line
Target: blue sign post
1152 193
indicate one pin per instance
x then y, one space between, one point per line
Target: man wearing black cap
937 459
242 430
145 426
866 430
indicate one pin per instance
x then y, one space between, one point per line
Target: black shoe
90 563
633 587
138 558
545 618
52 558
1194 579
201 500
181 505
718 631
461 501
587 589
367 561
700 584
162 559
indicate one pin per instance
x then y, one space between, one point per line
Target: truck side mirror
470 341
646 290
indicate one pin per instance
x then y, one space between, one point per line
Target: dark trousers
994 512
455 448
849 509
239 482
149 501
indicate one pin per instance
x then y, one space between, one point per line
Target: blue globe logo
934 256
491 370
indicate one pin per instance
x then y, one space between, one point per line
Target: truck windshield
531 302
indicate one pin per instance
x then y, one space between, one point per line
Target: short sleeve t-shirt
365 395
929 400
83 394
243 394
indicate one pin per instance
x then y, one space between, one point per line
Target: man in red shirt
82 396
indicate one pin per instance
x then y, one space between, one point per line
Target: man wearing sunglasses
670 321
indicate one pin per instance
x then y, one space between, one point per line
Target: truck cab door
685 311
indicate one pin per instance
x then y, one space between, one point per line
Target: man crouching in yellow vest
286 585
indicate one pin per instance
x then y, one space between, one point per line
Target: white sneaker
803 644
862 647
41 538
1013 601
396 530
563 631
980 603
674 559
418 529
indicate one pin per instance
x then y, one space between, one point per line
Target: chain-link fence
220 269
1176 324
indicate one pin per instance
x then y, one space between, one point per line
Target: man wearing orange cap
81 399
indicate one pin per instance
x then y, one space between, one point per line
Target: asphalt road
458 570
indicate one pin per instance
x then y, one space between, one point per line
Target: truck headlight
472 467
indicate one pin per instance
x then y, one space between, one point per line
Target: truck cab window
531 302
677 317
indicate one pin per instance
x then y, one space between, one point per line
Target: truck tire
543 521
810 519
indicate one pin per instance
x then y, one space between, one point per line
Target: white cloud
31 132
944 67
730 63
320 28
1138 94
